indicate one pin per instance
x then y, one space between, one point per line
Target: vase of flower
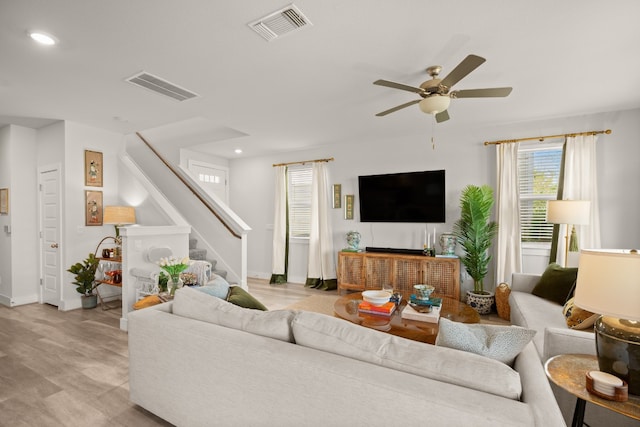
174 266
174 283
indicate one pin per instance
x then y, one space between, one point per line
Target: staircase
201 254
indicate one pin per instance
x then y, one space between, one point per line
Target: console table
360 271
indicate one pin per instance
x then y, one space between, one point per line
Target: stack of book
380 310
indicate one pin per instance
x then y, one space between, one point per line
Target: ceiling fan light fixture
434 104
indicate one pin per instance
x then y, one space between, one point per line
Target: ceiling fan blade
496 92
399 107
442 116
467 65
397 86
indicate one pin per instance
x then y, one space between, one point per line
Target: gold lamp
119 216
608 283
571 213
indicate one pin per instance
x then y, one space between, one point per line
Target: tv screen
403 197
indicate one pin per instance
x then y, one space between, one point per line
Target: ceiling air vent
280 23
163 87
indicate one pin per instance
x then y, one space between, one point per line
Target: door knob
54 245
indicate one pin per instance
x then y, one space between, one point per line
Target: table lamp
608 283
119 216
569 212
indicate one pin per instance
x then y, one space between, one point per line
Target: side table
568 372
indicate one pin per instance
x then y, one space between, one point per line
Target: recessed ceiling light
43 38
238 151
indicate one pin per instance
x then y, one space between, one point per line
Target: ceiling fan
435 92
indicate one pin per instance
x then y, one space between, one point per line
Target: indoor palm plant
85 279
475 232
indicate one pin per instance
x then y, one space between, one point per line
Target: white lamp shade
119 215
575 212
608 283
435 104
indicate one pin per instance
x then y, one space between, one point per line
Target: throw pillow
217 287
242 298
502 343
578 318
147 301
556 283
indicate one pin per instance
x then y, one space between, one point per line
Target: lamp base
618 346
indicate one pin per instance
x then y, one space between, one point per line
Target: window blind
538 172
299 181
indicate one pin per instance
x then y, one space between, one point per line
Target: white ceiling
314 86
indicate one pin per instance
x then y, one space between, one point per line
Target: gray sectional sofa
553 338
201 361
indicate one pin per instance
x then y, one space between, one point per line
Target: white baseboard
13 302
267 276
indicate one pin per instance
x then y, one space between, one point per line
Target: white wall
462 153
18 277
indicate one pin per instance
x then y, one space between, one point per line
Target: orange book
387 308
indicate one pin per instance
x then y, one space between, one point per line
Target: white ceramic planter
481 303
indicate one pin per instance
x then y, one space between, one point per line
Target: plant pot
89 301
482 303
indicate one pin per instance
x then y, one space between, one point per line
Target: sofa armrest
523 282
568 341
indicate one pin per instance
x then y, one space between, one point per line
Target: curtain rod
305 161
542 138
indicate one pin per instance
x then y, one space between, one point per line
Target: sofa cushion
198 305
218 287
556 283
242 298
578 318
338 336
502 343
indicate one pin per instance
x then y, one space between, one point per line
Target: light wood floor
71 368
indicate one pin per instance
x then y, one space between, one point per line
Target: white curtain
321 271
280 243
580 183
508 248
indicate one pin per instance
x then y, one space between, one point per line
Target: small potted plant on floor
475 233
85 280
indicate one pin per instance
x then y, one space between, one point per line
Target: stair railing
195 192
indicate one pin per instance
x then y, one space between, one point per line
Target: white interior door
212 178
49 180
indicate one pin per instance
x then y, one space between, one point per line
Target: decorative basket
502 301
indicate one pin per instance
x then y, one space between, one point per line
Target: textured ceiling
313 86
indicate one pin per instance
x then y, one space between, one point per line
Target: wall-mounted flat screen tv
403 197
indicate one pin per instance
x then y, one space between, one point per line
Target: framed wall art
4 201
93 207
337 196
92 168
348 206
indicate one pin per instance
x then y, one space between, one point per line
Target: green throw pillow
556 283
242 298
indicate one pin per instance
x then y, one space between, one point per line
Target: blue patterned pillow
217 287
497 342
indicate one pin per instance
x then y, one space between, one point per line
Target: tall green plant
475 232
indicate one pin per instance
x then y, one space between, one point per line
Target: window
299 197
538 172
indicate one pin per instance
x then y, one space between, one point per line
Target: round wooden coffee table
346 307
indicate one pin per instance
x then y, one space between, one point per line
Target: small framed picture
337 196
348 206
4 201
92 168
93 207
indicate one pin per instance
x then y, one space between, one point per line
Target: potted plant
85 280
475 232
